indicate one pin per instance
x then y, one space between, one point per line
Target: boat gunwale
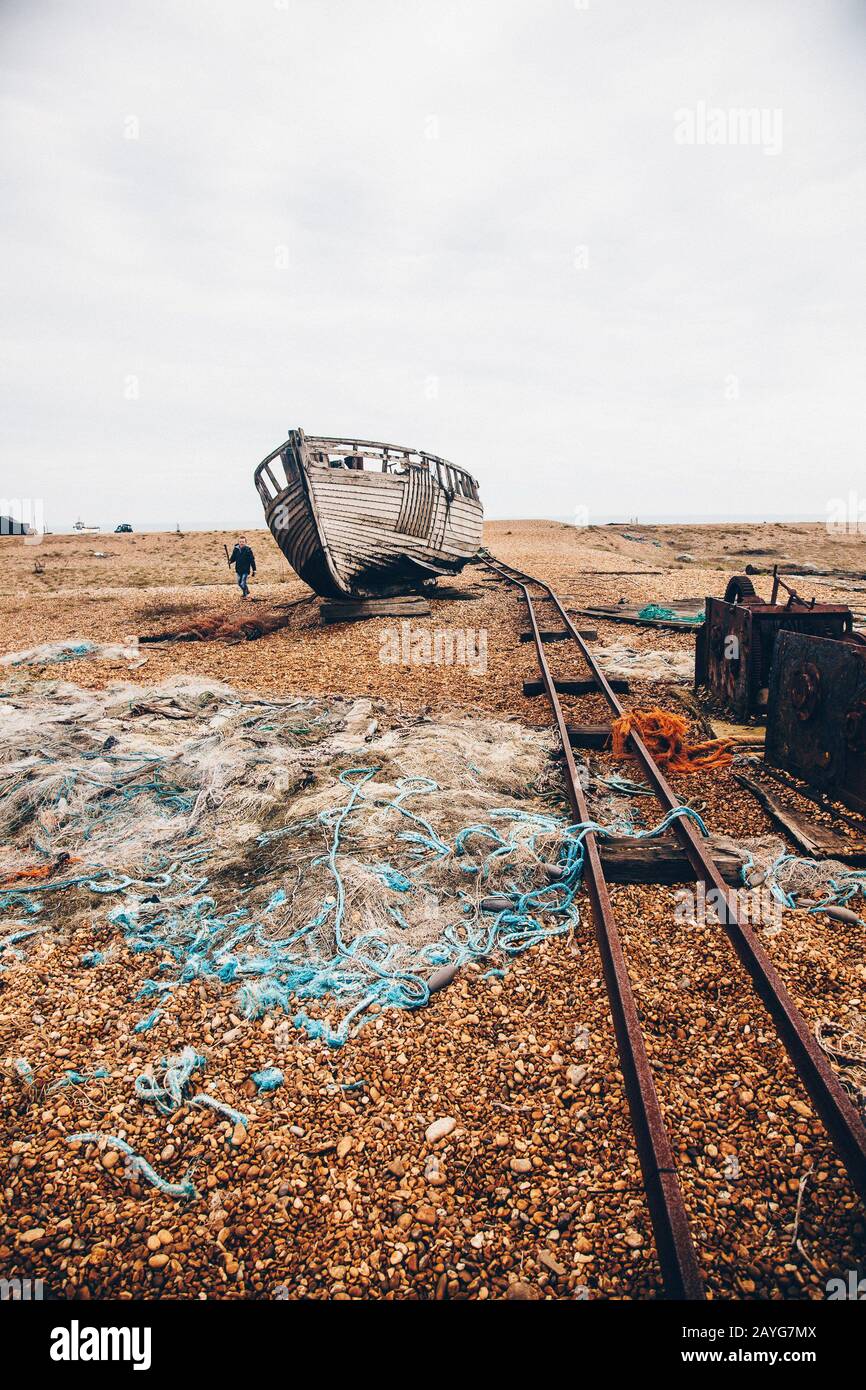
352 443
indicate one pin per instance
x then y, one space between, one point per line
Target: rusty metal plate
816 726
738 642
728 654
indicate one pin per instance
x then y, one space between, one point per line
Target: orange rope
665 735
39 871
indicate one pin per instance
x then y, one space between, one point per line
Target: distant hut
10 527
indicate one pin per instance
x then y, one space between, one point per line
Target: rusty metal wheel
739 587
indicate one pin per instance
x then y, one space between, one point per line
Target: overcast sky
476 227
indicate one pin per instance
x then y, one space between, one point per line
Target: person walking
244 562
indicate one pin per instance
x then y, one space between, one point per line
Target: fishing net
619 659
845 1045
794 880
657 612
305 852
74 649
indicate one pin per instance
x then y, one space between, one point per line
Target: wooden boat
358 519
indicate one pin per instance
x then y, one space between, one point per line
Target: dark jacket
243 559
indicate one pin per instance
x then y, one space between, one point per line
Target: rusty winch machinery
736 643
802 664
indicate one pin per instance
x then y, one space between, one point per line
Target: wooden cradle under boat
358 519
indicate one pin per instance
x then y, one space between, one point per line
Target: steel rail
676 1252
838 1115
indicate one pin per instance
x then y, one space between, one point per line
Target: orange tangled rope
39 871
665 736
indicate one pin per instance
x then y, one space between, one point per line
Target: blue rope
268 1079
169 1094
625 785
211 1103
186 1188
24 1070
368 971
144 1025
77 1078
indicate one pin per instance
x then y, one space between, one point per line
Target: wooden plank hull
350 531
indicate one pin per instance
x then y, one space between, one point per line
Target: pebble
434 1173
518 1290
440 1129
550 1262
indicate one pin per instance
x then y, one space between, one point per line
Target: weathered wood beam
621 687
398 607
589 735
588 634
661 860
813 840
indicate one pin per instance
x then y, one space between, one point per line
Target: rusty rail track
676 1252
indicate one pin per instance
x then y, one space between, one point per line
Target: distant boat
357 519
79 525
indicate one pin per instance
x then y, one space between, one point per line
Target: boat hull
350 531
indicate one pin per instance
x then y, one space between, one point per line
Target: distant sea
659 519
699 519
